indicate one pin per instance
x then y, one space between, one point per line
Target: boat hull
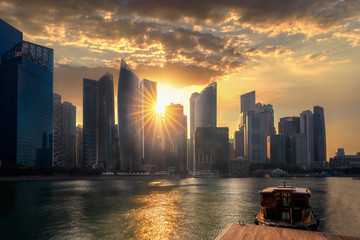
312 226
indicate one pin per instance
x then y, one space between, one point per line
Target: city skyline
294 61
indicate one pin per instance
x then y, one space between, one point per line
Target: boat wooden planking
251 232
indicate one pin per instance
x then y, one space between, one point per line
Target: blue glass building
9 37
26 105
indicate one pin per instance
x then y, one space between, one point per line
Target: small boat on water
287 207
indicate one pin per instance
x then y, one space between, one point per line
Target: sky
295 54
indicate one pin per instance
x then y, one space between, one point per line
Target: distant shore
122 177
66 177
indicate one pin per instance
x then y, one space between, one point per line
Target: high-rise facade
192 130
149 119
256 123
99 123
206 107
68 135
288 126
89 122
212 149
175 138
10 36
79 147
276 148
319 138
57 130
300 148
129 119
306 127
26 104
105 122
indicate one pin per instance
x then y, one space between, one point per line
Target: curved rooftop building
129 119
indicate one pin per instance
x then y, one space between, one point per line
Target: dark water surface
160 209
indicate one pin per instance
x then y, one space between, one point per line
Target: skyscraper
68 135
319 138
175 138
79 147
148 122
89 122
247 102
129 118
306 126
192 130
57 130
212 149
26 103
105 122
206 107
256 122
9 37
276 148
289 126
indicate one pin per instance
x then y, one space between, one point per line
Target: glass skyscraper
26 105
89 122
205 107
105 122
148 122
9 37
319 137
129 119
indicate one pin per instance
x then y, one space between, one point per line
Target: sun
159 108
164 95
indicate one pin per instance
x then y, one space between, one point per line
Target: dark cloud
322 12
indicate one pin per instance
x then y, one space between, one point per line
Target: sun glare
164 97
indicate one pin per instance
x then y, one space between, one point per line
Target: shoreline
124 177
65 178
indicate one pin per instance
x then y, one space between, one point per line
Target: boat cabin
285 203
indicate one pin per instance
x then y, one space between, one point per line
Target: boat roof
295 190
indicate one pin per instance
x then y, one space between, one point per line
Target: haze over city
294 54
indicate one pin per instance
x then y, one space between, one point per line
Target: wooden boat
286 206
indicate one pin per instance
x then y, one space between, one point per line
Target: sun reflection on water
157 217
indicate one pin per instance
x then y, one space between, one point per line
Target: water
160 209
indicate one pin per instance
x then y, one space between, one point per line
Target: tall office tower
248 102
148 122
306 126
79 147
255 139
212 149
105 122
175 138
57 130
289 126
257 122
319 138
276 148
300 146
9 37
266 115
129 118
231 148
239 143
205 107
115 148
89 122
192 130
26 104
68 135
